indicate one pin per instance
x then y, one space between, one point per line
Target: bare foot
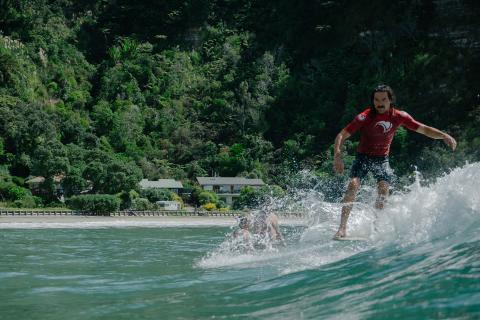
340 234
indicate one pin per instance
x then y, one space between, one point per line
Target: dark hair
383 88
242 222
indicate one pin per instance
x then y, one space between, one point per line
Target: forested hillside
110 91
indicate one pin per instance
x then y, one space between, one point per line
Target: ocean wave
447 211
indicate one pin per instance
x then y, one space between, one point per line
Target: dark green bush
208 197
19 181
154 195
18 193
26 202
98 204
252 198
142 204
12 192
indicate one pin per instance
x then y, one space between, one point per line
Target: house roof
35 180
161 184
229 181
39 179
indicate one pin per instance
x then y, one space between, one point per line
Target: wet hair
242 222
383 88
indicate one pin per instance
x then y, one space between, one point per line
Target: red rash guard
377 130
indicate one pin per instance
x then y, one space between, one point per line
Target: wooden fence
125 213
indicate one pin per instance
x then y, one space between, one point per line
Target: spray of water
446 209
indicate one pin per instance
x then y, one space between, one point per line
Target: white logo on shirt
385 125
361 117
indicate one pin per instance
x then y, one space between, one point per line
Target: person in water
377 125
265 224
243 230
262 225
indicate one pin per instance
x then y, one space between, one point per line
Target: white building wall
227 199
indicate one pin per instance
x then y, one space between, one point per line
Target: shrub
12 192
154 195
209 206
221 204
249 198
99 204
17 193
142 204
179 199
195 195
39 201
19 181
207 197
252 198
127 198
26 202
5 190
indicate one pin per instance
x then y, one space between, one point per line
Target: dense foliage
99 204
104 93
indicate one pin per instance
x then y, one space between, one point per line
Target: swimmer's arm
246 235
279 233
276 228
280 236
247 238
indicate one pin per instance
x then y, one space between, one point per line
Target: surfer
377 126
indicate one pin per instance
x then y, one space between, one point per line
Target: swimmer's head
243 222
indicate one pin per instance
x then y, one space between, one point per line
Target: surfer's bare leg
348 199
382 189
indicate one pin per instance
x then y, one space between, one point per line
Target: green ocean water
424 263
156 273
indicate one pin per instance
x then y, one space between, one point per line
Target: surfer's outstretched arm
437 134
338 165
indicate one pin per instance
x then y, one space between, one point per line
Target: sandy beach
7 222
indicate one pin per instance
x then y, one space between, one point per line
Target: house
170 184
35 186
169 205
228 188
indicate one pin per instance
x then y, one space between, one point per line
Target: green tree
207 197
110 174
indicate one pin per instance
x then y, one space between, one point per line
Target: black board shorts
377 165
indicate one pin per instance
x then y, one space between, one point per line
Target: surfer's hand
449 141
338 164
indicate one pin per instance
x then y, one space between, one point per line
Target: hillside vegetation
106 92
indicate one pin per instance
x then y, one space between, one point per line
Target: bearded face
381 102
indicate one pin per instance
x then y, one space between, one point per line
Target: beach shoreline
73 221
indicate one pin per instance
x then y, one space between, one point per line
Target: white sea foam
447 208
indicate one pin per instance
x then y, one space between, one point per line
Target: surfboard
350 239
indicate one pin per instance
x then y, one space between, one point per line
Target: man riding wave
377 126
